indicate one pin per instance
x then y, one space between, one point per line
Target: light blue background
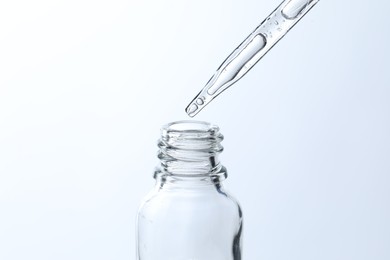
85 86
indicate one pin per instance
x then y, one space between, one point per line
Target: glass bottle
189 215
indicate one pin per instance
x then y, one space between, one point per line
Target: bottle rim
190 148
190 126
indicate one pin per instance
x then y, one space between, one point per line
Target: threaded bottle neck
190 149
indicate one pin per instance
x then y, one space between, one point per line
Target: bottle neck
189 150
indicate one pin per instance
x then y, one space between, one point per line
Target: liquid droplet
199 101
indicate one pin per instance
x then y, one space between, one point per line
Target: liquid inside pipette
251 50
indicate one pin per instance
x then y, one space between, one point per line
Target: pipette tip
194 107
191 110
199 102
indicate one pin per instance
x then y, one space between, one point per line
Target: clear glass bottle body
188 215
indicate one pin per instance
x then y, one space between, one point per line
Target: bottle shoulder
214 200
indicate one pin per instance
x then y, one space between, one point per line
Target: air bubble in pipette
199 101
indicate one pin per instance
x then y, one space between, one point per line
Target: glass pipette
251 50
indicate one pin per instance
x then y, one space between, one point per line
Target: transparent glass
251 50
189 215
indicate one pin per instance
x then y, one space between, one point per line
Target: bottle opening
190 126
190 148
